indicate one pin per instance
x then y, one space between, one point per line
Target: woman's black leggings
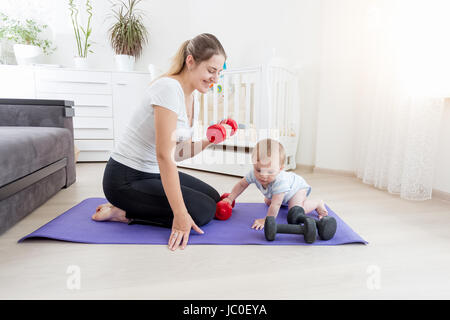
142 197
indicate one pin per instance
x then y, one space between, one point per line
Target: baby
278 187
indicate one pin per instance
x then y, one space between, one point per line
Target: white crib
264 102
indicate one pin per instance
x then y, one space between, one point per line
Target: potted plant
128 34
28 46
81 38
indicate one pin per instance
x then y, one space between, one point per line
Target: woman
141 180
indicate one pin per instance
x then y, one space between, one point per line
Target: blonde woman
141 180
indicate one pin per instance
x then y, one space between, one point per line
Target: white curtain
402 83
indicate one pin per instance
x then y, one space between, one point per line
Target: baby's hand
227 200
259 224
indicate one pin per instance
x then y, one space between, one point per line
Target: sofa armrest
42 113
37 113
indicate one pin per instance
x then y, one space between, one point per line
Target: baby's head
268 160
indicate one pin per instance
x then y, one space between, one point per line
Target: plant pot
124 62
27 54
80 62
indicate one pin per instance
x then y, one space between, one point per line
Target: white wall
308 40
336 114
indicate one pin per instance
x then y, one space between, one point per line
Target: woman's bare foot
107 212
109 205
321 209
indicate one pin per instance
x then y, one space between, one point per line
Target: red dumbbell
217 133
223 208
225 195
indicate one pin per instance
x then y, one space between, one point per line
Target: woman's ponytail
178 60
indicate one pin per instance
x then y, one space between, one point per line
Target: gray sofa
36 155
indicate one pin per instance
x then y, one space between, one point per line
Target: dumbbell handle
228 129
301 219
290 228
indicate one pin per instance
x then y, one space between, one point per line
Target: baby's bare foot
321 209
107 212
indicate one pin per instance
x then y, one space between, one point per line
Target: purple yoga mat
76 225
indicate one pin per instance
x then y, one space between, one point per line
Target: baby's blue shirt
285 182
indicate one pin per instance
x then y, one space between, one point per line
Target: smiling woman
141 180
203 55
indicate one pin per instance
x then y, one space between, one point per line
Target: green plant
128 33
83 45
3 21
24 33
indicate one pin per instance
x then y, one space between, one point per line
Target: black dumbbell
326 226
308 229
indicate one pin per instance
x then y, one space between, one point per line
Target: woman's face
206 72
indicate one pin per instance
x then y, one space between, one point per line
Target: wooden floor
408 255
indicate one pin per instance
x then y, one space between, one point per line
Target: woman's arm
165 126
188 149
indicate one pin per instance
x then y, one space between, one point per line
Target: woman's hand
181 227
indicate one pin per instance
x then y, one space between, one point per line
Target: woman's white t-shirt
136 148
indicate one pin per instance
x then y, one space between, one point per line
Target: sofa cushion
24 150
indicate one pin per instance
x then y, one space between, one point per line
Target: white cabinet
93 128
128 92
86 105
91 92
93 150
73 81
103 101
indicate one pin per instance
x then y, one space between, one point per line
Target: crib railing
235 96
262 100
284 103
